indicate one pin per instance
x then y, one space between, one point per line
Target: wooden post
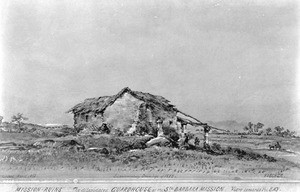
159 127
149 113
206 131
183 129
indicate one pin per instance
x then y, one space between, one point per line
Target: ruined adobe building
129 109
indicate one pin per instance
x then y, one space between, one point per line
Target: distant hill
230 125
6 126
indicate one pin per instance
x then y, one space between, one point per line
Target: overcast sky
216 60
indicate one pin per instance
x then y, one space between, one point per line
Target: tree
249 128
288 133
269 131
293 133
259 126
279 130
250 125
246 128
19 118
260 132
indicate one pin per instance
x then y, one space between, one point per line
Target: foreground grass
151 162
123 161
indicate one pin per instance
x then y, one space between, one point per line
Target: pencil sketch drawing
177 89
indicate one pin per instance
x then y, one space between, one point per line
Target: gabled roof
99 104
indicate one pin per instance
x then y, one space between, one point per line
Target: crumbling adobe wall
79 119
92 122
166 116
123 112
120 115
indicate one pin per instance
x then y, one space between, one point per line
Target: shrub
118 145
242 154
171 133
118 133
216 147
190 135
145 127
80 127
68 131
104 128
228 150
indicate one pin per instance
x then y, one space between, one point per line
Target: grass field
253 160
260 144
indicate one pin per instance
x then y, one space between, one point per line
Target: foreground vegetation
31 151
108 156
156 162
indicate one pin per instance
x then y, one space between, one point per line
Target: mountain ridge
231 125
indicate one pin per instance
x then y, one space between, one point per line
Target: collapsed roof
99 104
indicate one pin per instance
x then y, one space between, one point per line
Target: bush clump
171 133
216 149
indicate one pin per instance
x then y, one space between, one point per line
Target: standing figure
206 129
